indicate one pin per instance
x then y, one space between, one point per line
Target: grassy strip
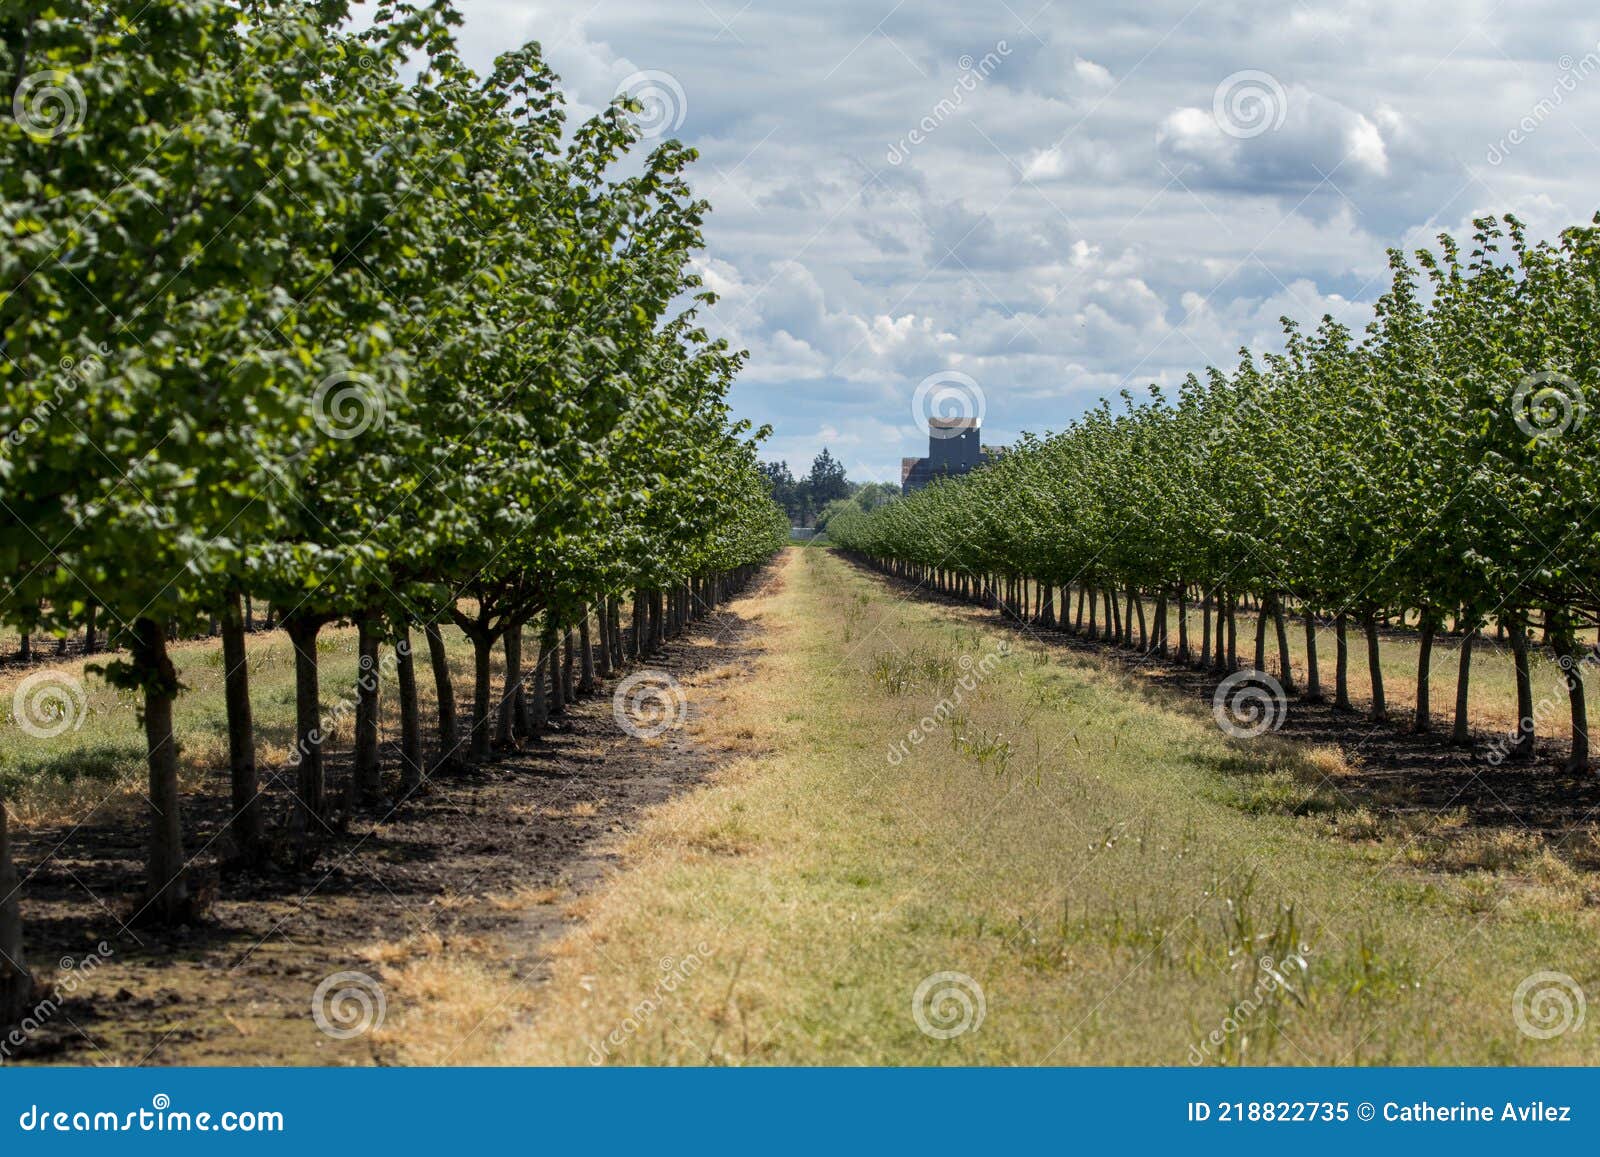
1096 862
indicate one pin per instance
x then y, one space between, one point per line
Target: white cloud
1096 75
1192 134
1365 148
1084 222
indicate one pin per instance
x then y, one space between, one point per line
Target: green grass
100 753
1123 883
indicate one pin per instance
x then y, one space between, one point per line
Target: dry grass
455 1004
523 898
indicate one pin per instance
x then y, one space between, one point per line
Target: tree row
1441 468
314 315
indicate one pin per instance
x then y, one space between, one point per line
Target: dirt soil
496 854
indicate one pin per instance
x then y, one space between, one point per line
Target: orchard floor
957 844
898 831
491 861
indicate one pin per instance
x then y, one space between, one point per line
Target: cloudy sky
1061 200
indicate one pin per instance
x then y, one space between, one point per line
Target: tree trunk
366 780
1233 635
1205 627
1261 639
1424 717
602 623
552 658
445 691
1380 709
586 684
167 899
1221 641
1578 757
245 824
636 627
619 655
1281 629
16 983
1313 673
569 646
1341 662
91 639
541 680
511 690
478 748
1525 732
308 823
1183 623
1461 733
405 670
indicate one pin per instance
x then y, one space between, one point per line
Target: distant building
954 448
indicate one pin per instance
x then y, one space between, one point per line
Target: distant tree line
814 497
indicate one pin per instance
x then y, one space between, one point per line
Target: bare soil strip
492 859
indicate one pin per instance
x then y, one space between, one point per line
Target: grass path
1050 850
